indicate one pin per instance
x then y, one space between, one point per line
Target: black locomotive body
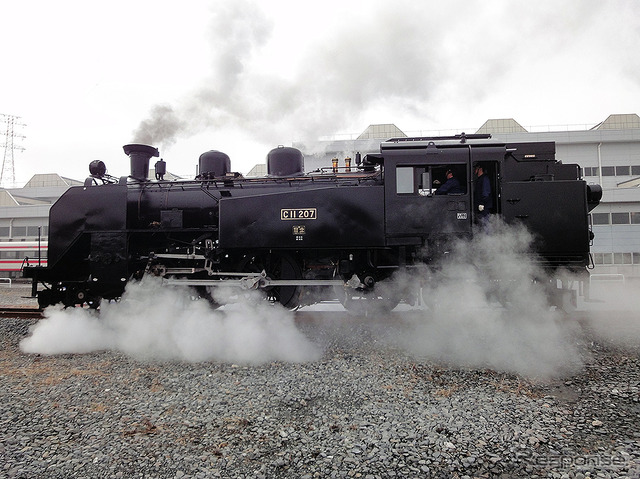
304 237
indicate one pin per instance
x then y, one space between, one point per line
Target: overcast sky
244 76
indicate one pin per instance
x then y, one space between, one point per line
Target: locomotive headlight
97 168
594 193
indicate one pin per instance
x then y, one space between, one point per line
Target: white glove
480 207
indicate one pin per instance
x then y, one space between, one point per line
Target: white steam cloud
170 326
486 308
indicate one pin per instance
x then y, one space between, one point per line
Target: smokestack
140 155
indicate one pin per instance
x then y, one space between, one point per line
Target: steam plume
487 308
170 326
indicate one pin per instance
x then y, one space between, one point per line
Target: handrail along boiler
304 237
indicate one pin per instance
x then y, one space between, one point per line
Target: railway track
20 312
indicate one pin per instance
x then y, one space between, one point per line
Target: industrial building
608 153
24 212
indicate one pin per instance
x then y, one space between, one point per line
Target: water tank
285 161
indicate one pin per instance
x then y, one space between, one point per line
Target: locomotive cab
429 187
527 185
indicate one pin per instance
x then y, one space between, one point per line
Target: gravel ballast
364 408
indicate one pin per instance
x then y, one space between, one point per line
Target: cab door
490 158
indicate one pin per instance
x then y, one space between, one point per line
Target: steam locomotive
299 237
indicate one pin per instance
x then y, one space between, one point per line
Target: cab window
405 183
425 180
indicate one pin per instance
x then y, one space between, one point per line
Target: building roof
15 198
382 131
619 122
7 199
258 170
168 176
41 189
505 125
51 179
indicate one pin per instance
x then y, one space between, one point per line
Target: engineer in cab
451 186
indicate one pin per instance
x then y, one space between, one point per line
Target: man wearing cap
451 186
482 200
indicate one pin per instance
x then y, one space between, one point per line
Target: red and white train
14 255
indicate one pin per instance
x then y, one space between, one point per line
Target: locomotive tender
304 237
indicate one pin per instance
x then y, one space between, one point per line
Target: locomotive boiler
302 237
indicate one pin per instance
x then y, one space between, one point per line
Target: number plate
298 214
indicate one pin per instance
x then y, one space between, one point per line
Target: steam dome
285 161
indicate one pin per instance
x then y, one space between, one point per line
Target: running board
252 281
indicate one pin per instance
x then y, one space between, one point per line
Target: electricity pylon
8 174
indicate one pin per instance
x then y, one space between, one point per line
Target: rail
19 312
6 281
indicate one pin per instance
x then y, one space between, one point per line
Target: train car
15 255
303 237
